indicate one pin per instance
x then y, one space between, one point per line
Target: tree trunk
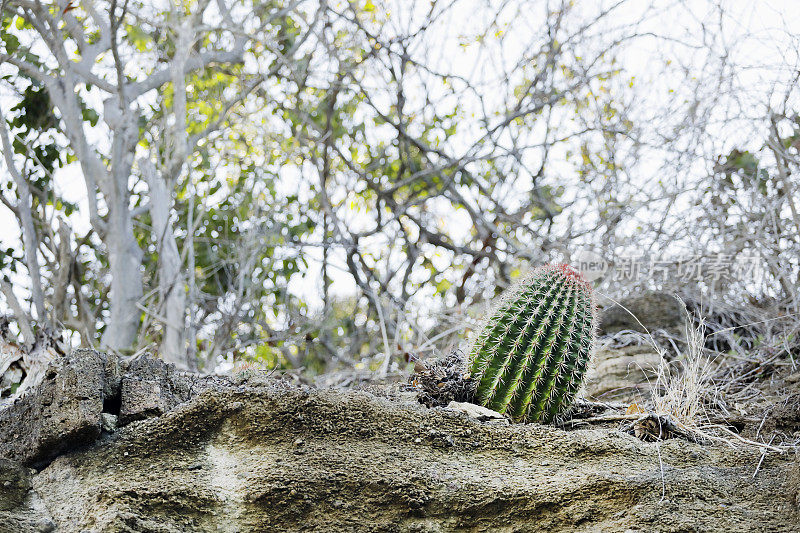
125 256
125 260
171 285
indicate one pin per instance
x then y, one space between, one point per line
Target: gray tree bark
171 283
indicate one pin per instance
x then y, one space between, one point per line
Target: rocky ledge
103 446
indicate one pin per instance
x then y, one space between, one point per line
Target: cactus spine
531 356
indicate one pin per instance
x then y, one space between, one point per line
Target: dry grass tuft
682 385
692 389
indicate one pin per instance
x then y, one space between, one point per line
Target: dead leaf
634 409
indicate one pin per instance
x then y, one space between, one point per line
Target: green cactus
530 358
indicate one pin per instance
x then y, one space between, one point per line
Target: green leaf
442 286
138 37
11 42
90 115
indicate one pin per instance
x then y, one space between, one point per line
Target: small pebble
45 525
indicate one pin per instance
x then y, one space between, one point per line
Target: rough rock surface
150 388
20 507
622 374
654 310
268 456
64 412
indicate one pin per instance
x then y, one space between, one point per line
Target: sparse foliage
336 185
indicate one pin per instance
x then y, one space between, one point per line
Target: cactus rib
530 358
